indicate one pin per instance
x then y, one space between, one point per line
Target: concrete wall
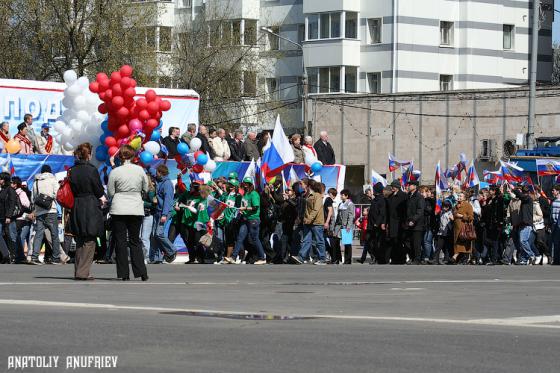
429 127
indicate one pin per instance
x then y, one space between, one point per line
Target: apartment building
385 46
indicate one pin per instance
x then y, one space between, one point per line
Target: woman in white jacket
24 221
219 144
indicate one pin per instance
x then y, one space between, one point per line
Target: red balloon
153 107
102 96
142 103
103 85
123 112
165 105
126 71
117 102
197 153
110 141
101 76
158 116
151 95
115 77
133 83
144 115
130 92
117 90
108 95
94 87
112 151
102 109
152 124
197 168
123 131
125 82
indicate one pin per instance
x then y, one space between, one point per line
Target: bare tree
44 38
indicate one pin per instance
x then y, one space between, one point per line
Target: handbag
206 240
42 200
65 196
467 232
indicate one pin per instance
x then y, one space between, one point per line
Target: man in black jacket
377 227
396 206
325 152
170 142
528 252
415 222
8 201
203 136
236 147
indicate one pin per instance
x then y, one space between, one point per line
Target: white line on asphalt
531 322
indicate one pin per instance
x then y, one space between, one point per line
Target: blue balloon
160 125
105 126
202 159
146 157
102 138
101 153
316 167
156 135
183 148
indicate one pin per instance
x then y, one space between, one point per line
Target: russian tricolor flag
472 176
548 167
440 187
377 178
215 207
511 172
277 156
395 164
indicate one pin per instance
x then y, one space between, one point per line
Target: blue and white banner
43 100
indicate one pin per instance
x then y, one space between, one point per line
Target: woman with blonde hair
463 213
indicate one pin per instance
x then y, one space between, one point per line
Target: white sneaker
260 262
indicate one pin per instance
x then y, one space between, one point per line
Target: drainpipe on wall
395 41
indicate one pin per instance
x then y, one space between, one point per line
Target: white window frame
272 92
319 26
512 37
450 35
443 79
369 25
369 77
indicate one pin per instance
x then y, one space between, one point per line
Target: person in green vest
250 222
188 204
228 223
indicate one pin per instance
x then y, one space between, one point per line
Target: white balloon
79 102
92 102
210 166
83 116
67 102
68 147
74 91
67 132
83 82
152 147
70 77
59 125
195 144
76 125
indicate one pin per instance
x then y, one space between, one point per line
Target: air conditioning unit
487 150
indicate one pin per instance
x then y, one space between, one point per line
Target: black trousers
377 246
126 231
415 245
396 251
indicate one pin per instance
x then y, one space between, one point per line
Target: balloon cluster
79 123
129 121
313 163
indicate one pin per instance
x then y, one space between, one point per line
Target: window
324 80
313 27
445 82
273 40
351 25
508 36
249 83
301 33
236 32
374 82
187 3
374 25
334 85
151 37
250 32
325 26
335 25
351 79
164 39
327 79
271 87
446 33
312 80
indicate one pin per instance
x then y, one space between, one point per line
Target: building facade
383 46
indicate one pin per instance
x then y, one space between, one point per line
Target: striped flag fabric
377 178
472 176
548 167
395 164
215 207
439 189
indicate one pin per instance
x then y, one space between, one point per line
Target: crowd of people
134 215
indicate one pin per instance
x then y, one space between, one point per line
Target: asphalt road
359 318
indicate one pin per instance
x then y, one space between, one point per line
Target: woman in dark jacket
86 218
8 200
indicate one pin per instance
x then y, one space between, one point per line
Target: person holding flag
227 224
250 223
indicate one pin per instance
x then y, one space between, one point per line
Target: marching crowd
137 214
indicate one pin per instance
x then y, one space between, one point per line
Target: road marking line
530 322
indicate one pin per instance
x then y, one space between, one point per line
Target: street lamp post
304 78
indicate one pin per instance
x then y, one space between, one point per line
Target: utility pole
533 79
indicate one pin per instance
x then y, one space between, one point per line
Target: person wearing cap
187 205
44 143
396 207
376 228
227 224
415 222
250 222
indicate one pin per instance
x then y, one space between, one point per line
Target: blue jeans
162 244
556 244
146 235
220 239
428 244
23 238
6 247
526 244
46 221
317 232
252 229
